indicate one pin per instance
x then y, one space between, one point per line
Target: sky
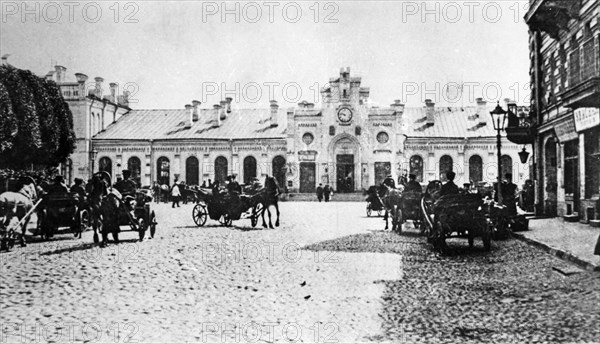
168 53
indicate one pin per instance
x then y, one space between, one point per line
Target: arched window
445 166
105 164
279 170
249 169
475 169
507 165
221 169
191 171
134 165
66 170
163 171
416 167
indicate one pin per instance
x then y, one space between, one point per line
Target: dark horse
391 198
270 198
104 206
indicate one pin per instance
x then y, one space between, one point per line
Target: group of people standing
324 192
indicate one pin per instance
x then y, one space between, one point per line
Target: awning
586 118
565 130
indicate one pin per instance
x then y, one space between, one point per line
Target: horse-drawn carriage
460 215
411 208
60 210
111 209
226 207
374 202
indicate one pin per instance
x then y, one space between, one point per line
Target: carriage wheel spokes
257 211
199 214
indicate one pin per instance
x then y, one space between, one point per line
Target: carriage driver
127 186
389 181
413 185
449 188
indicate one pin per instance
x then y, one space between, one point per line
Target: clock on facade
345 115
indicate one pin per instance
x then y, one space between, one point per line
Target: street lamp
498 120
93 155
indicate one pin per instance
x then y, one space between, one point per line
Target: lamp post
93 155
498 120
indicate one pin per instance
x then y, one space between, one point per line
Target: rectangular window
571 170
592 162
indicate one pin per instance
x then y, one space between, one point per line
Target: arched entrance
191 171
279 170
221 169
163 171
550 177
249 169
344 152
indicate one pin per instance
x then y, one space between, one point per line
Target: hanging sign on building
565 131
586 118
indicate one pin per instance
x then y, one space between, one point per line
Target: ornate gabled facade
565 117
344 142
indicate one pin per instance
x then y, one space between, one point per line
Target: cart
226 208
62 210
374 202
411 208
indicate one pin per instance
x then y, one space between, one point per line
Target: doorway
345 172
550 177
307 177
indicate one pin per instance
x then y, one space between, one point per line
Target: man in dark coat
449 188
59 186
389 181
327 192
126 186
413 185
320 192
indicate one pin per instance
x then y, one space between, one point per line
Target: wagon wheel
439 239
84 218
486 235
397 220
369 211
257 210
142 226
199 214
152 224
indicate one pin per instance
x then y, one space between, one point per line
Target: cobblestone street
327 274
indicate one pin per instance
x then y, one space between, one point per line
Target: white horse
19 204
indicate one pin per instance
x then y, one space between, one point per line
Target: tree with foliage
36 124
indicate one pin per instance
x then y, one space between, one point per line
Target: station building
344 142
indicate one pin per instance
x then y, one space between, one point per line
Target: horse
391 198
270 198
19 204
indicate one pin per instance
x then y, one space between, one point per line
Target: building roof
449 122
170 124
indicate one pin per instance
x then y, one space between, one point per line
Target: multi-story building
92 112
345 143
565 107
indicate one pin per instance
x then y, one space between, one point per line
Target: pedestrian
403 180
327 192
210 184
320 192
175 195
156 191
203 186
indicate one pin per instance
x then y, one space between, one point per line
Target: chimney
5 59
430 111
398 106
60 73
274 113
50 75
81 78
123 99
98 89
310 106
217 115
195 103
113 91
481 111
228 99
190 111
223 109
